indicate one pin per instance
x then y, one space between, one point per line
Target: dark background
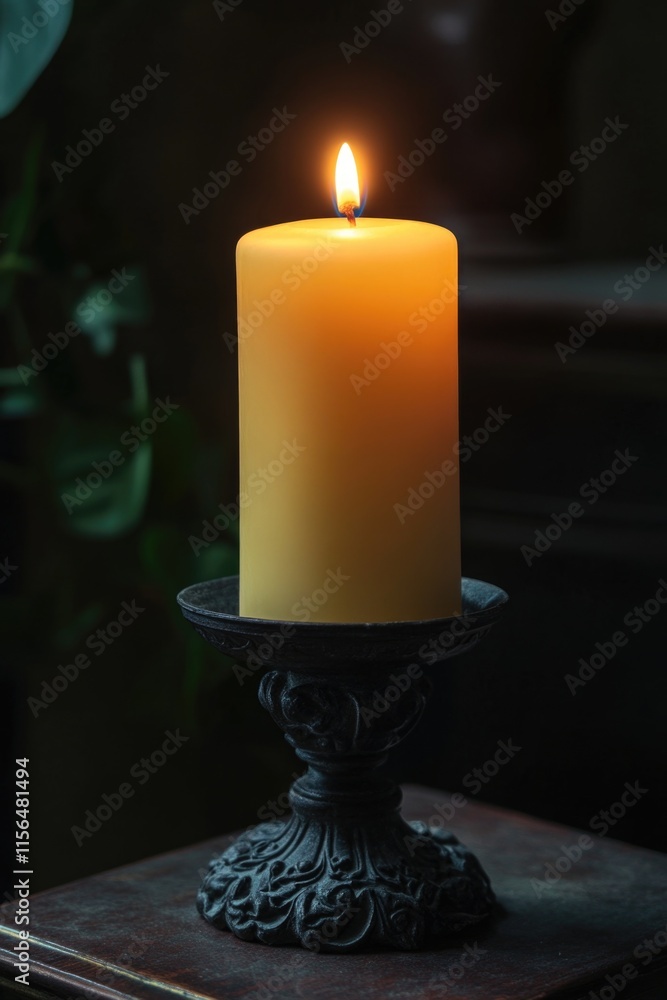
162 338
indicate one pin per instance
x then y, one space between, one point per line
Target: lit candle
348 418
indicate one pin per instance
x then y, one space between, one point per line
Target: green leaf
98 497
116 505
30 34
99 319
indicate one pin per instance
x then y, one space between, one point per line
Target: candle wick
348 211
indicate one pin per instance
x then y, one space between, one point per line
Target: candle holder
345 872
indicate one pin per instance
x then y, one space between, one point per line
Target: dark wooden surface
133 932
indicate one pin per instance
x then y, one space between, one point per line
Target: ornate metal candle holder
345 872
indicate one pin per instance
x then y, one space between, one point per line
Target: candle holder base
385 885
345 872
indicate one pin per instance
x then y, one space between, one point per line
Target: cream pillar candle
348 421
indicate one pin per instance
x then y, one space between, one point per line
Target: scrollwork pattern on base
342 888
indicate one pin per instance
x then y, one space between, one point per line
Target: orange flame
347 183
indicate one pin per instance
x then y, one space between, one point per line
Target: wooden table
595 932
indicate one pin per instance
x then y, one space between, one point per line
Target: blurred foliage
96 482
31 34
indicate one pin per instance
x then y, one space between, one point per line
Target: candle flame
347 183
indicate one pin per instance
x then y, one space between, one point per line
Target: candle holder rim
492 601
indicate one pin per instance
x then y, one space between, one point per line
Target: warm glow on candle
347 183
